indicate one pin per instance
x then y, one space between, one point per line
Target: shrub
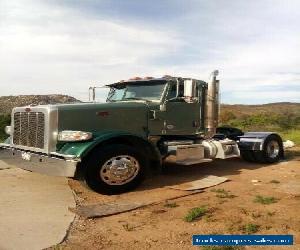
195 213
265 200
250 228
227 116
222 193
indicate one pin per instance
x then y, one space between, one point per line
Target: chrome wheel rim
273 149
119 170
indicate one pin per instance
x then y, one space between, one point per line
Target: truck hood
92 105
131 117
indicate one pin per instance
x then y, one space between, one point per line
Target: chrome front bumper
56 165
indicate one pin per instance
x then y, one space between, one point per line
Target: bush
288 121
250 228
195 213
227 116
293 135
262 121
265 200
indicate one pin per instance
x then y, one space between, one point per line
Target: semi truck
114 145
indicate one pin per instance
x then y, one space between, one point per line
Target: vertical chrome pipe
212 104
92 94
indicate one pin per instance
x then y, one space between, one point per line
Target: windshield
148 91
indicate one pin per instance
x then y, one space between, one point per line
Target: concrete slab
33 209
4 165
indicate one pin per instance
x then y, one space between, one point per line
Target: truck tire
247 155
272 150
115 169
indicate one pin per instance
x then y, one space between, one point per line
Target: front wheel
115 169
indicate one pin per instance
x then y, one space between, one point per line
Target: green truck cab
113 145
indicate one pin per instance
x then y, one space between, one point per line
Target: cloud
65 46
51 52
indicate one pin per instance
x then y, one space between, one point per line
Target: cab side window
173 91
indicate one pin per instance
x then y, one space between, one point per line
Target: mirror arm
177 87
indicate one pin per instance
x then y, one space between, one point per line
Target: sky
64 46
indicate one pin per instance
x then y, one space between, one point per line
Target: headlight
8 130
68 135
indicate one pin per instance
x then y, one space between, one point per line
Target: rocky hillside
273 116
280 108
9 102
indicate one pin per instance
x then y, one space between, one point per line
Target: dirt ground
230 207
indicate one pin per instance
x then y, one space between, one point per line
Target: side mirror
190 88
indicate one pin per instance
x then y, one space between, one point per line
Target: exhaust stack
212 105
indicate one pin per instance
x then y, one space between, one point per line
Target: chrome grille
29 129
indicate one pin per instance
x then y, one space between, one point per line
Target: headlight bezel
74 136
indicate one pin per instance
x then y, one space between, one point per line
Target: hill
7 103
272 116
283 118
240 110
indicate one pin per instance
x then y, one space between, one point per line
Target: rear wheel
115 169
272 151
248 155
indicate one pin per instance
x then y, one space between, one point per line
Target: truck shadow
174 174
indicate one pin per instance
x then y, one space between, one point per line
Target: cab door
181 112
182 118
